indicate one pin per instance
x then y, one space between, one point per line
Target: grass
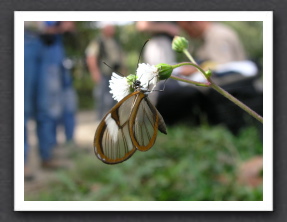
187 164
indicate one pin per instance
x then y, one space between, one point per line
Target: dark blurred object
192 106
230 114
48 39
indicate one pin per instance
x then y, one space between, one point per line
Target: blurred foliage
251 35
132 42
199 164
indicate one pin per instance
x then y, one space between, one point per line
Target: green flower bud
131 79
179 44
208 73
164 70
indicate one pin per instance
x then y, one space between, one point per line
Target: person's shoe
28 176
53 164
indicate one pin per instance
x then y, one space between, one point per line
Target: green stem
223 92
190 64
190 81
189 56
210 83
236 101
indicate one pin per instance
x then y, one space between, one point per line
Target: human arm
92 61
93 67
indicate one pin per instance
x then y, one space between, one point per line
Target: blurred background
213 149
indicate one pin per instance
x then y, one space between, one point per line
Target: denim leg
69 101
32 52
69 125
70 107
45 135
49 102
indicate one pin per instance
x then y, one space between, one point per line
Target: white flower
120 87
148 75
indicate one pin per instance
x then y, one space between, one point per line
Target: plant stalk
236 101
189 56
190 81
211 84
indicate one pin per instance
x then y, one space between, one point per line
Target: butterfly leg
149 81
161 90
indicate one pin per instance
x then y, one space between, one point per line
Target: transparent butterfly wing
112 142
144 123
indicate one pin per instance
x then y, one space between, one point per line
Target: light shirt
113 53
221 45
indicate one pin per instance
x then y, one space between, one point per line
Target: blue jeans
32 60
42 92
69 111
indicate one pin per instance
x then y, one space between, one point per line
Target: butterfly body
130 125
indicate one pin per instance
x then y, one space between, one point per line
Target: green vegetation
251 35
196 164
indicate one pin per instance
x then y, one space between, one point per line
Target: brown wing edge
161 123
99 135
98 149
133 117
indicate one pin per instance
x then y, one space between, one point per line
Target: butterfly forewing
130 125
144 123
112 141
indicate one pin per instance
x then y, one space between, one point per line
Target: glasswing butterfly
130 125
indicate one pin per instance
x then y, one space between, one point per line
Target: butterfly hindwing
130 125
144 123
161 123
112 142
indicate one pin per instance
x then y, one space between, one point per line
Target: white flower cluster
119 87
146 74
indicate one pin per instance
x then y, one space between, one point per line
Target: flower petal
148 75
119 87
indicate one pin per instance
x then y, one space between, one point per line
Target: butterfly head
138 87
137 84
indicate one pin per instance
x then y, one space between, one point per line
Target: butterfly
131 125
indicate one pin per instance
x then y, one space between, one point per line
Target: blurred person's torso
221 45
106 50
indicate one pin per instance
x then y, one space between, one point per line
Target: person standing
65 98
159 50
43 87
33 48
104 49
220 43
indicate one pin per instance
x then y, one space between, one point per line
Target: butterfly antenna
120 74
141 53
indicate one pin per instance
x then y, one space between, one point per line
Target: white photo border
265 16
